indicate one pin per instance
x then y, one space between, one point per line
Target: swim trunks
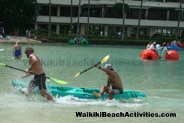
117 91
39 80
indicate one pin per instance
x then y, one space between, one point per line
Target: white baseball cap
108 66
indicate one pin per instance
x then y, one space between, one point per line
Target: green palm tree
18 14
118 8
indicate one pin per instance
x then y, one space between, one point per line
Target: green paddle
51 78
100 62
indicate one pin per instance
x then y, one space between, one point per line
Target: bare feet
97 94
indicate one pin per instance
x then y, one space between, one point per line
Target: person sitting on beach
2 33
28 33
17 50
114 83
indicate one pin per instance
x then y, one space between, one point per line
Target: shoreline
25 40
21 39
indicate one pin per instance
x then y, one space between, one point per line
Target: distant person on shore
28 33
114 83
101 33
39 75
2 33
17 50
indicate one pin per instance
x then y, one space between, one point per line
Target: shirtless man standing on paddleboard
39 75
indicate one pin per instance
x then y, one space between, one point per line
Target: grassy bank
42 35
103 41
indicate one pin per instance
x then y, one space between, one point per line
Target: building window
150 0
65 11
54 11
176 1
108 11
157 14
64 29
44 10
43 26
53 28
173 15
133 14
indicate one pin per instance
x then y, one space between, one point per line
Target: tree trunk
123 19
88 15
139 21
71 15
49 32
179 19
78 18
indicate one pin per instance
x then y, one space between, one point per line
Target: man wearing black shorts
36 69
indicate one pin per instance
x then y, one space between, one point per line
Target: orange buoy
172 55
149 55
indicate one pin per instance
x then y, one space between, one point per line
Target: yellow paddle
100 62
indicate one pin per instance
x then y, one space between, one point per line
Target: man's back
115 81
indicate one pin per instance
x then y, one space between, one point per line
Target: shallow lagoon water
162 82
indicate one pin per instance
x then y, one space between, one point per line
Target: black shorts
39 80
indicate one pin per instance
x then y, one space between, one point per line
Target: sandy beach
21 39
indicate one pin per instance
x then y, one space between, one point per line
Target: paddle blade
1 64
58 81
105 59
77 74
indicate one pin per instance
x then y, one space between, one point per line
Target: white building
158 16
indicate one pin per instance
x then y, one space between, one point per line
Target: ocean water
162 81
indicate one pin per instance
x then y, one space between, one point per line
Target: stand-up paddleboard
83 93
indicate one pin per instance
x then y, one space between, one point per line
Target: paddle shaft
21 70
90 67
15 68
